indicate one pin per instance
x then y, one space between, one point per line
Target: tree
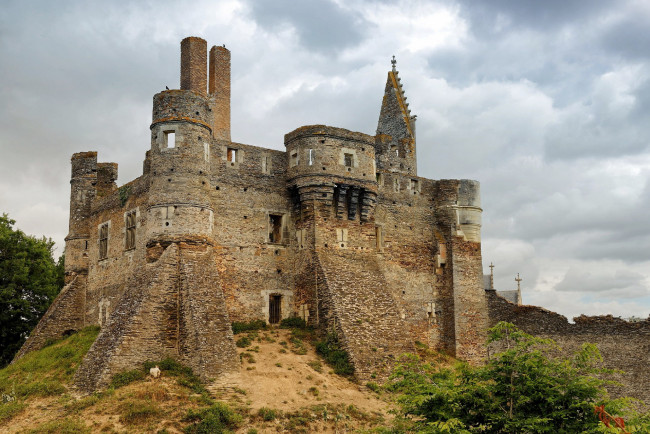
30 279
519 390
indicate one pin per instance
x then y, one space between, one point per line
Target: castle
338 230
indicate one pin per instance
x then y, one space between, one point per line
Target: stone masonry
338 230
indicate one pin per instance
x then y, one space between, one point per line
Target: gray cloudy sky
546 103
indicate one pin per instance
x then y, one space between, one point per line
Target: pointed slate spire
395 139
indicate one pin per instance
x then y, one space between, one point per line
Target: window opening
414 185
379 235
311 157
231 155
294 159
275 310
348 160
266 164
103 241
275 228
170 138
130 230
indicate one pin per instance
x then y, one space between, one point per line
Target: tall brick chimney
220 90
194 54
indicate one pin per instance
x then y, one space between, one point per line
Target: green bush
267 414
240 327
332 351
293 323
218 418
520 390
243 342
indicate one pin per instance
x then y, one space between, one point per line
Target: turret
179 159
82 192
335 168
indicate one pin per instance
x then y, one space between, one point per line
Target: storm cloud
545 103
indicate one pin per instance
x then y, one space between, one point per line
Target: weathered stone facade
338 230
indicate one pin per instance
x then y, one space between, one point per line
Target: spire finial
393 62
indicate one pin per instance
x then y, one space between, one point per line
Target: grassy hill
282 386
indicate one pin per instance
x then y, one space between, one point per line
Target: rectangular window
170 139
266 164
348 160
275 228
130 231
396 185
380 179
294 159
103 241
415 185
231 155
311 157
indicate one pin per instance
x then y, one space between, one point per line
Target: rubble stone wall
624 345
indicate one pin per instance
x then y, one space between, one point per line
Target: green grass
44 372
10 409
219 418
135 412
268 414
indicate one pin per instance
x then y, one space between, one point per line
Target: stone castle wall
624 345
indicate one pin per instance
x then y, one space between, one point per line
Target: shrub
218 418
293 323
316 365
267 414
373 386
240 327
243 342
332 351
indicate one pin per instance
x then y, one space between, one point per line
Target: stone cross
491 275
518 280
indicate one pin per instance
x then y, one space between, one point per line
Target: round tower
82 192
333 167
181 131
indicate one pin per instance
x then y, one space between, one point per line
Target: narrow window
380 179
396 184
294 159
348 159
103 241
275 309
415 185
275 228
231 155
170 138
311 157
394 148
130 230
266 164
206 152
379 235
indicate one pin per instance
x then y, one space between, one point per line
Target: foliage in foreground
168 367
30 279
521 389
240 327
